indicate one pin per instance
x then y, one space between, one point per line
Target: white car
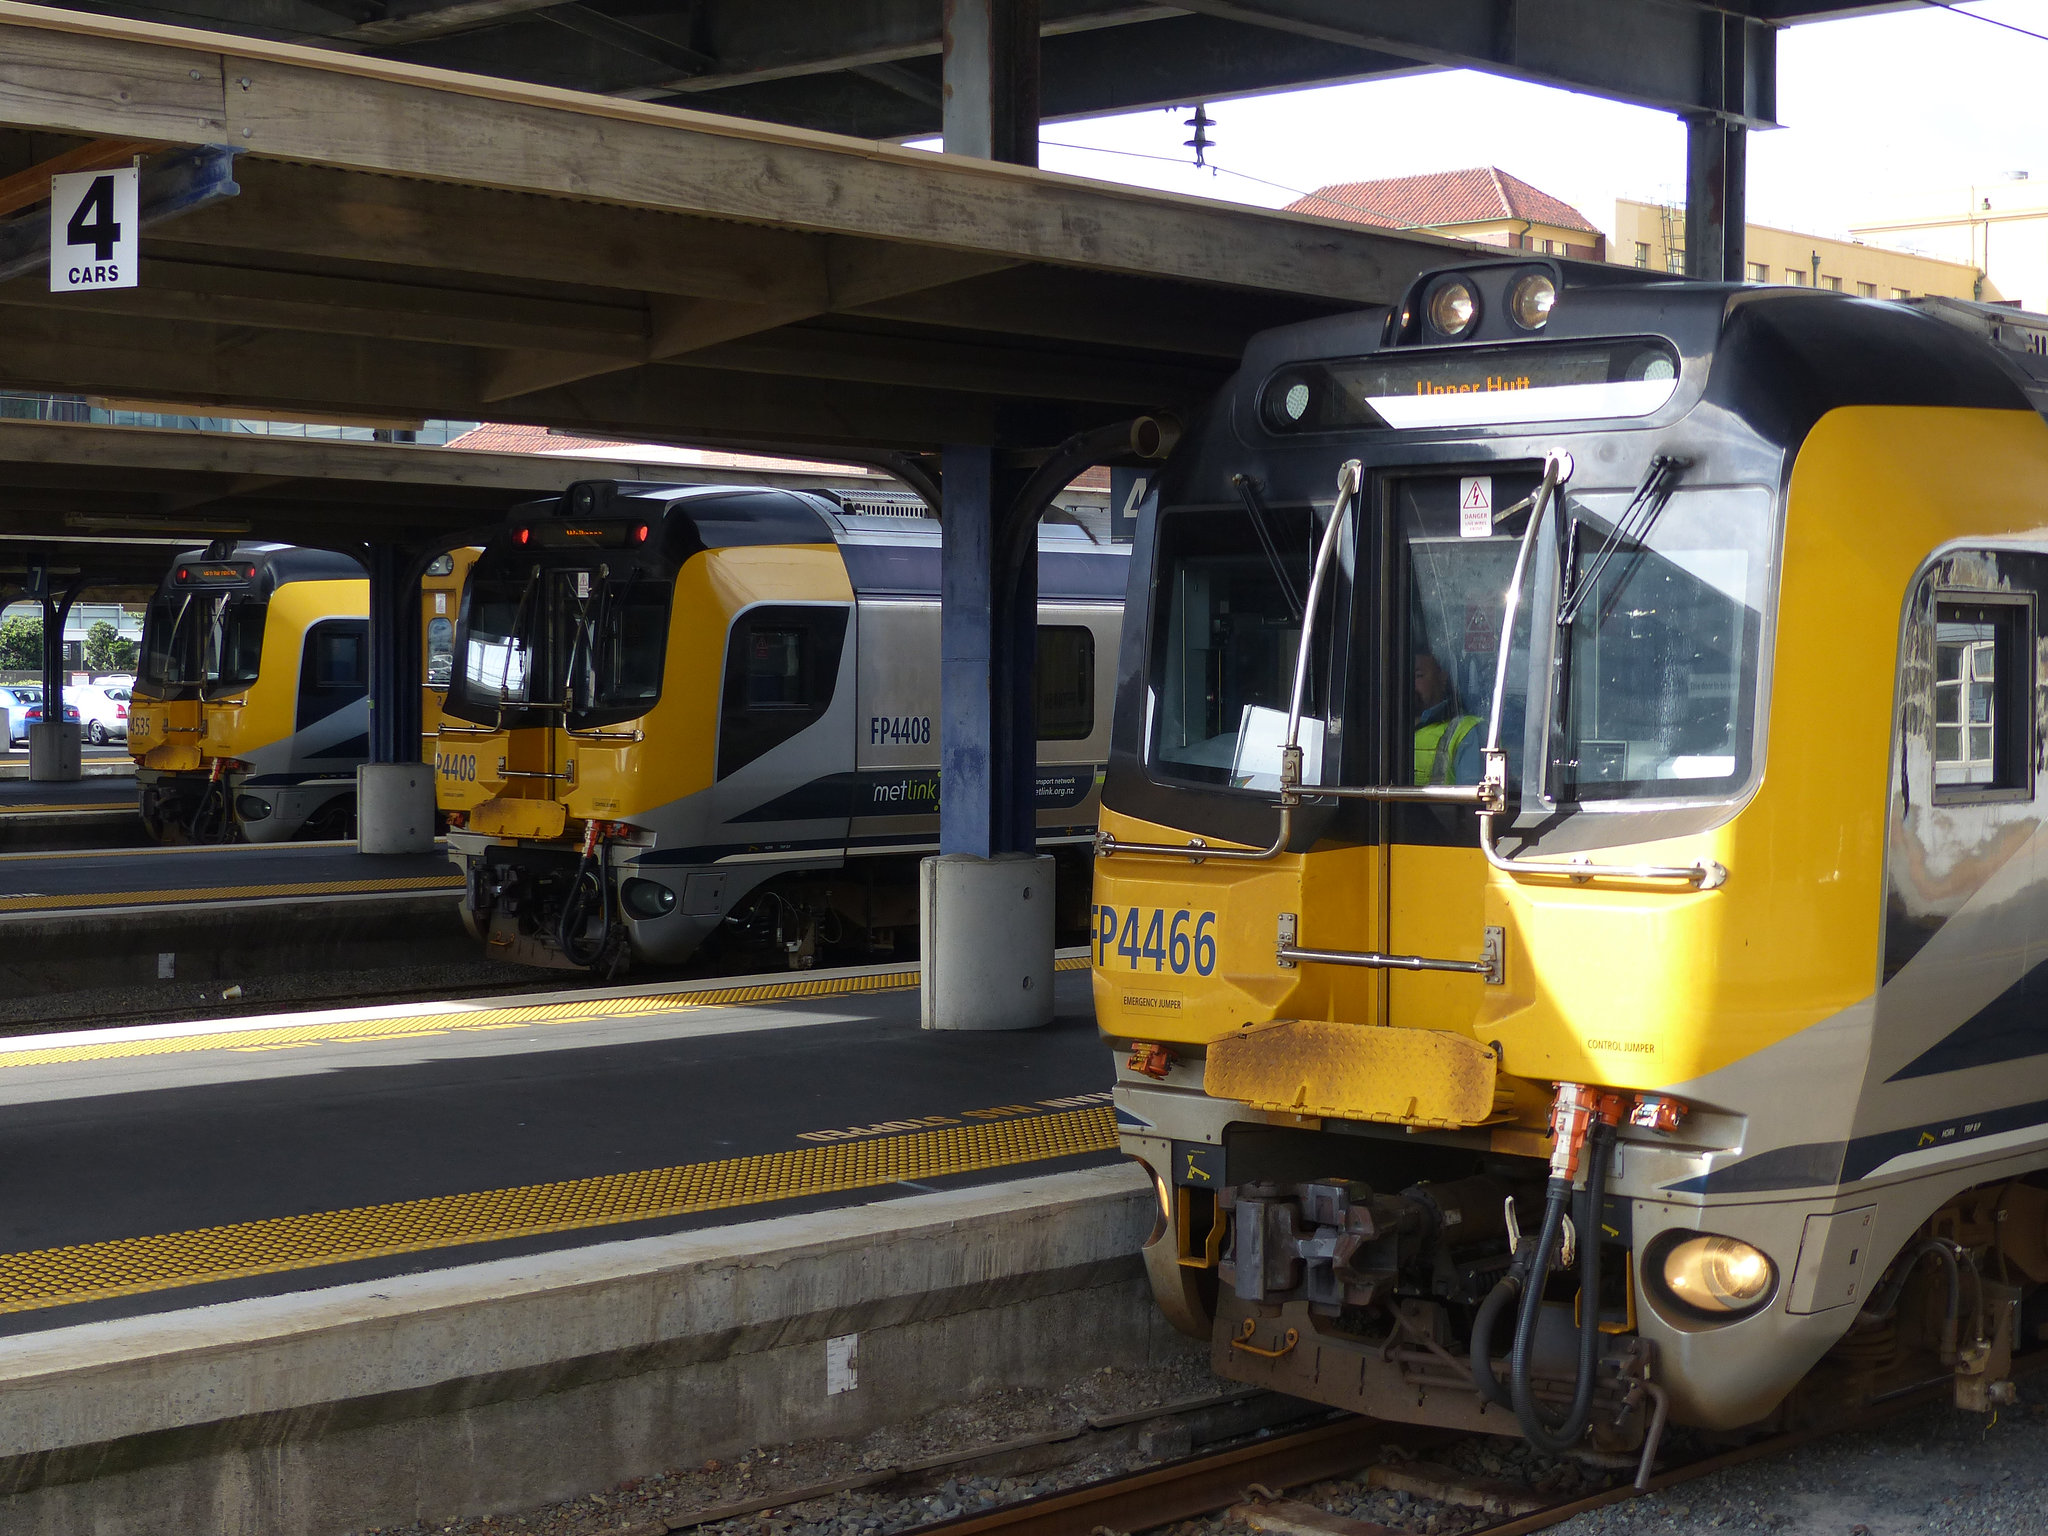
102 710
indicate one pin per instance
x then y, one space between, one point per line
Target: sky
1876 109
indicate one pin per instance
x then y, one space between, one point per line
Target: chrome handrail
1705 875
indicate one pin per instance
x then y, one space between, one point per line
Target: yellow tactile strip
224 893
132 1266
276 1037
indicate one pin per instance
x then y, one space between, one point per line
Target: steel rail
1208 1484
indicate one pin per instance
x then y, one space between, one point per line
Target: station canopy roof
871 67
408 243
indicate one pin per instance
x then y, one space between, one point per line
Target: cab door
1448 553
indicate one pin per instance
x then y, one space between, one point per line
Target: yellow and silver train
1572 885
251 707
680 711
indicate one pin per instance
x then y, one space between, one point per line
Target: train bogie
1602 759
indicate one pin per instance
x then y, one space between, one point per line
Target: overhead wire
1989 21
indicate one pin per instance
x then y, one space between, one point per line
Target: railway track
1255 1483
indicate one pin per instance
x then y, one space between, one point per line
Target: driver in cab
1447 741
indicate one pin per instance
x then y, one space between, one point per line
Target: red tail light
523 535
640 534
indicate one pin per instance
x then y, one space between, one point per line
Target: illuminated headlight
647 898
1718 1276
1453 307
1529 300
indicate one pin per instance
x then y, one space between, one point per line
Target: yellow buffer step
501 817
1355 1072
173 757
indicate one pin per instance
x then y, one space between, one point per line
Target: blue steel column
967 647
394 654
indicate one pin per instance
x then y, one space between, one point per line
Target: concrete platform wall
501 1385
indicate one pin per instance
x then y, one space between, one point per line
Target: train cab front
201 651
1438 714
560 653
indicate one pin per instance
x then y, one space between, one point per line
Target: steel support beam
988 632
990 80
394 653
1715 199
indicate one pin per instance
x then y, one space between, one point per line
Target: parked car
104 709
17 699
34 716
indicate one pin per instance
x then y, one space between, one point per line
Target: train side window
1983 727
440 652
334 668
1065 689
781 664
1226 630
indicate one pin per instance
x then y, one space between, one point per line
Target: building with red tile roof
1483 203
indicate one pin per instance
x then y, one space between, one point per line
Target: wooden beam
219 367
296 301
869 356
857 272
24 189
322 108
419 25
437 230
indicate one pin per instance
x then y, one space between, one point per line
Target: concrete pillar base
53 752
988 935
394 808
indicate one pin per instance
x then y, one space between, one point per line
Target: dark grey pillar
1716 202
394 654
991 79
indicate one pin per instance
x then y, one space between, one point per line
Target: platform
169 1166
37 886
318 1272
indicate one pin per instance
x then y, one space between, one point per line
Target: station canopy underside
408 243
872 67
122 502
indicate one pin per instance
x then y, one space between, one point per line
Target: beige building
1484 204
1652 235
2000 227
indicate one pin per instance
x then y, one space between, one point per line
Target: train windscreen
1665 636
211 641
574 637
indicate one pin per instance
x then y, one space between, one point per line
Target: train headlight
1529 299
647 898
1718 1276
251 808
1453 307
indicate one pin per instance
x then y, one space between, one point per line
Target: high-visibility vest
1436 747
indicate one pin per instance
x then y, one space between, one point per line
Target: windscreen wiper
1255 508
1631 528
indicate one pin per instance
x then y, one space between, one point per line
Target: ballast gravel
1935 1471
650 1506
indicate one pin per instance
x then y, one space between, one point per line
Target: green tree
102 647
21 643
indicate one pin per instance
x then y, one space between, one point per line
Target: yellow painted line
59 807
225 893
404 1026
135 1266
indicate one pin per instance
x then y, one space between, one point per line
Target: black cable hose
572 908
1561 1435
1498 1300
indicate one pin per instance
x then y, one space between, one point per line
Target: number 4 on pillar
93 230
